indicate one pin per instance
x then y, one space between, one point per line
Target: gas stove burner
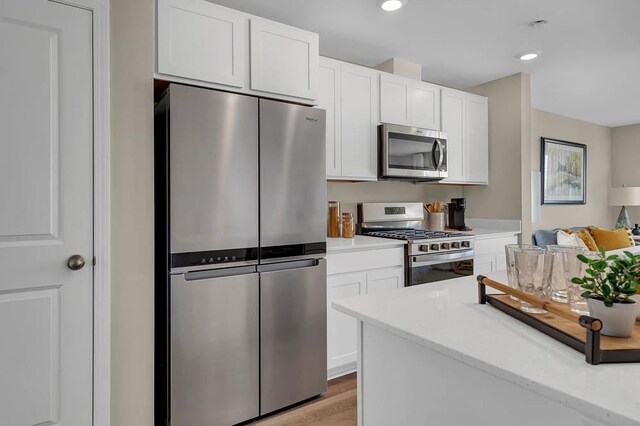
415 234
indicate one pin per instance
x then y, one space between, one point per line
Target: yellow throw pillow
588 240
611 239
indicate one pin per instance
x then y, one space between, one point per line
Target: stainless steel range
430 256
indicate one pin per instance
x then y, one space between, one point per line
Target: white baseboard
335 372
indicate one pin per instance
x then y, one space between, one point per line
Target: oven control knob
435 247
423 247
455 245
466 244
445 246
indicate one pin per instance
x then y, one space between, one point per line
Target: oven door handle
442 258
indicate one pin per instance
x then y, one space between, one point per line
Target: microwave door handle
441 154
436 161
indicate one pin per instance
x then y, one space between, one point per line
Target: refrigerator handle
273 267
219 273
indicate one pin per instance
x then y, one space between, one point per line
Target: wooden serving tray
582 334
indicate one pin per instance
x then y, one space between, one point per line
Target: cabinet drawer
339 263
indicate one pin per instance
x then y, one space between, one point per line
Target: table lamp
624 196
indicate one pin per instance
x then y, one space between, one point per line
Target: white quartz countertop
492 233
360 242
447 318
493 228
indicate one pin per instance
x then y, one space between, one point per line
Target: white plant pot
618 320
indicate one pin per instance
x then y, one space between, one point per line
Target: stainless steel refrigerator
240 246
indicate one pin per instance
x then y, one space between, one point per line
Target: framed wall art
564 172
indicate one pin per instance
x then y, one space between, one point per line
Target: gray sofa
547 237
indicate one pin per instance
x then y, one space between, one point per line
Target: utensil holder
435 221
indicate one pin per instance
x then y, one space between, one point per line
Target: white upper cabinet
359 122
208 45
395 99
477 132
349 94
425 105
453 105
329 99
465 120
409 102
202 41
284 59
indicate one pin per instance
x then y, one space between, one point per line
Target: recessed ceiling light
391 5
527 56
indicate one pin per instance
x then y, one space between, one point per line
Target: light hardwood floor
337 407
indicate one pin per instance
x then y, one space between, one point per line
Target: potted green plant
608 284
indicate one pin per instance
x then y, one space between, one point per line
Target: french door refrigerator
240 245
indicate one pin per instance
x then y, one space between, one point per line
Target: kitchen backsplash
349 194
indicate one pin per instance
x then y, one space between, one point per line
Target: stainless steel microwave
410 153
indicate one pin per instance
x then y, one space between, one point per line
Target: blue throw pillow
547 237
543 237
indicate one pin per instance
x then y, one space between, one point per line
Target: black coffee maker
457 206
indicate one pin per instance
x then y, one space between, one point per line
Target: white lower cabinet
483 264
490 255
341 329
374 271
384 279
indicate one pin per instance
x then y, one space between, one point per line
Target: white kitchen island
431 355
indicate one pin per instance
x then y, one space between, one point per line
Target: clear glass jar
333 220
348 229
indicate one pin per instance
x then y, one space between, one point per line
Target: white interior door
46 213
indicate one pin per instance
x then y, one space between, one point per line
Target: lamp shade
625 196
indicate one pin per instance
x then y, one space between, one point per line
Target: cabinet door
284 59
484 263
501 262
477 138
395 99
359 122
342 330
384 279
329 99
202 41
425 109
453 124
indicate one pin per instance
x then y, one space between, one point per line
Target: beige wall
351 193
525 172
509 101
598 140
132 212
625 158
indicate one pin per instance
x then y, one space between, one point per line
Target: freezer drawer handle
272 267
219 273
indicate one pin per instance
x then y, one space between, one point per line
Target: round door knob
76 262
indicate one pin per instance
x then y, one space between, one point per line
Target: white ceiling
589 69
